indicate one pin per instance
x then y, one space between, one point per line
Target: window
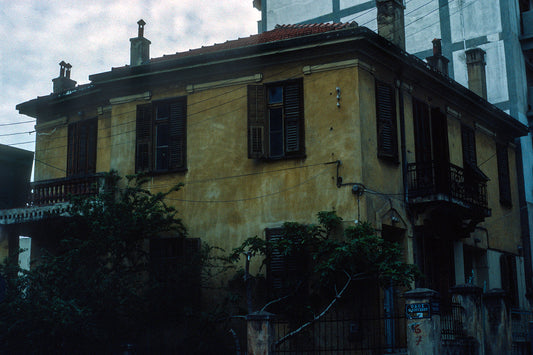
468 138
81 149
509 279
503 175
275 121
386 121
161 136
285 272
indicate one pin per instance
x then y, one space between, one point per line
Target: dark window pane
276 132
275 94
161 158
163 111
276 119
162 135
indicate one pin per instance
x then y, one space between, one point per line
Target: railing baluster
59 190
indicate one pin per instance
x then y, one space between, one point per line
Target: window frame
149 148
291 144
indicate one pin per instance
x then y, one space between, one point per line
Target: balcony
51 197
462 189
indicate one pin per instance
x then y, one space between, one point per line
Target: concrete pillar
422 307
498 337
477 77
260 333
390 19
469 297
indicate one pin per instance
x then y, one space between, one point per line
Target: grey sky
94 36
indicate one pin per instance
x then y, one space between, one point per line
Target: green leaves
359 252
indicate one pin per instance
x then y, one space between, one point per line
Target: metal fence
343 333
520 330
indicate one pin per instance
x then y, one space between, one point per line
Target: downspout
524 222
403 148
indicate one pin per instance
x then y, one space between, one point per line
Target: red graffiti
417 329
418 340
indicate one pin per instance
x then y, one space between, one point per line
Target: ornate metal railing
61 190
431 179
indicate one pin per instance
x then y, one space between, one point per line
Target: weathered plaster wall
50 153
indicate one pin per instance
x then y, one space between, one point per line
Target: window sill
163 172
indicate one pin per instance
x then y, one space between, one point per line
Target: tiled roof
280 32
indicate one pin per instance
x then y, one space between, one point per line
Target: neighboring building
278 126
503 29
15 174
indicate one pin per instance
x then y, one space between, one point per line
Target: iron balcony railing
446 181
53 191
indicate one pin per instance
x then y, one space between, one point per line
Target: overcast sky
93 36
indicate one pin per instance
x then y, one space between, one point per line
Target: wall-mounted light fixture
338 89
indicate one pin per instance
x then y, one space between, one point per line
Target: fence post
423 322
469 297
260 333
498 337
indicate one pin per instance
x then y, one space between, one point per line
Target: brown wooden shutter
143 154
256 122
178 134
386 121
294 122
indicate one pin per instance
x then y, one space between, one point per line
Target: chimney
477 78
140 47
437 60
63 82
391 21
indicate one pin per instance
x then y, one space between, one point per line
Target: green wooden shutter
143 154
178 134
386 121
294 122
256 122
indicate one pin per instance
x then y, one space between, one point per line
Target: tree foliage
334 261
95 289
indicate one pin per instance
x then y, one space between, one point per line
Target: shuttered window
276 121
503 175
386 121
81 149
161 136
468 138
285 272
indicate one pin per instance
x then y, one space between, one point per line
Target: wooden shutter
71 149
178 134
92 132
386 121
277 266
422 131
503 174
143 153
294 123
256 122
469 146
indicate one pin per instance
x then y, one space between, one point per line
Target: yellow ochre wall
228 197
